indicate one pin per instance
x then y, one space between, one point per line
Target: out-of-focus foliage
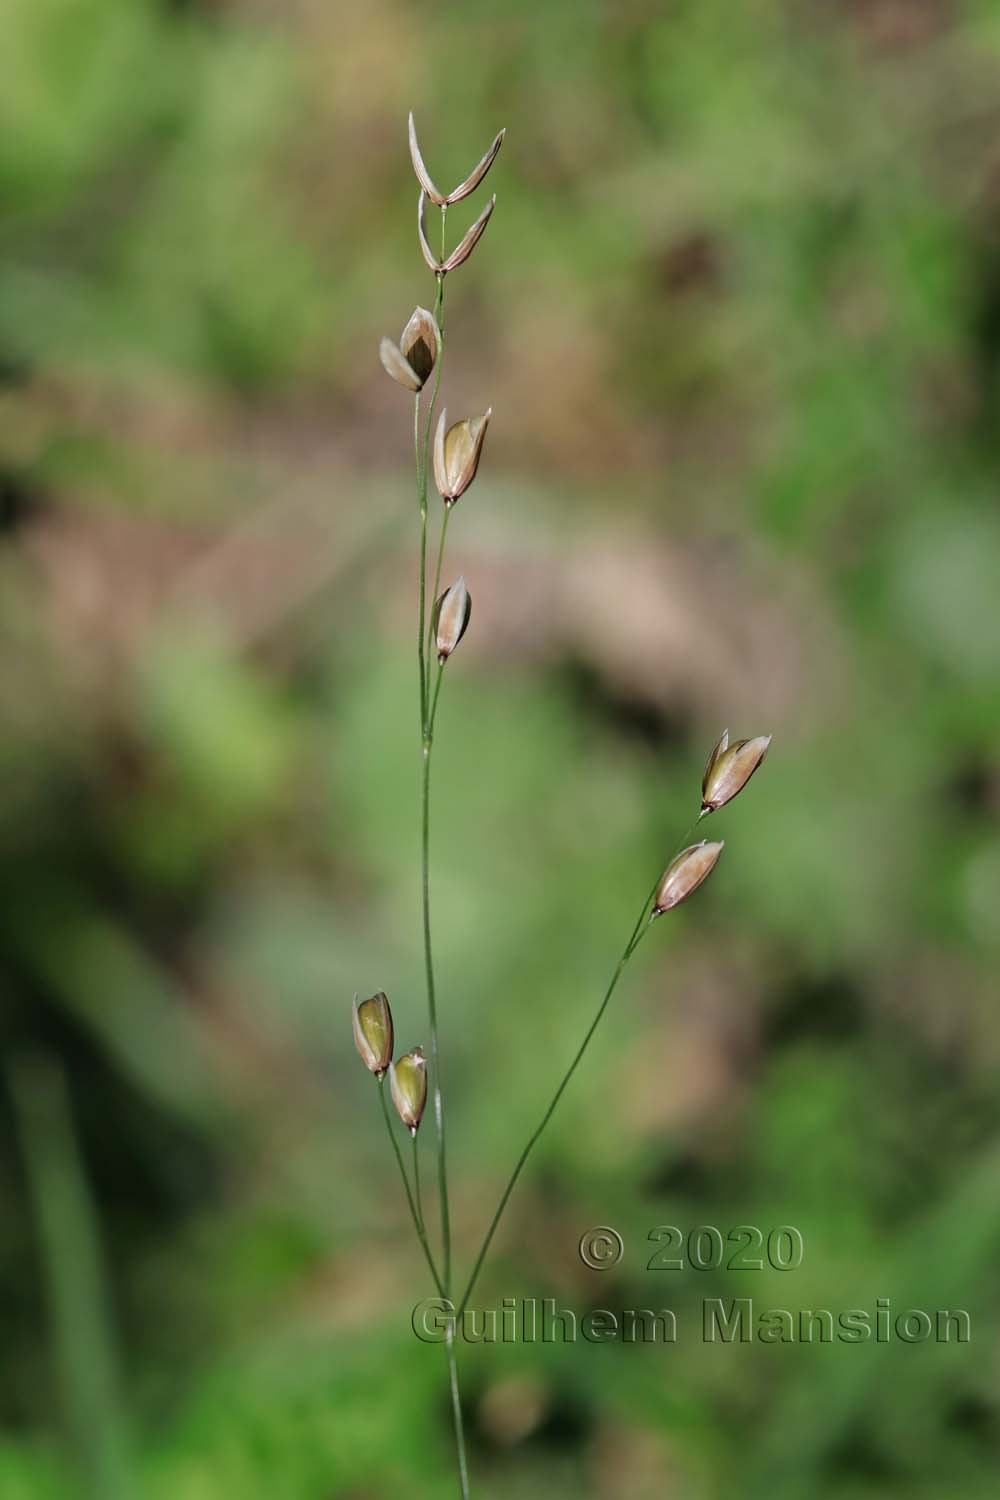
738 315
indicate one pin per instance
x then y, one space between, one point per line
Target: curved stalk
422 586
456 1413
417 1217
431 987
638 933
416 1180
436 592
432 712
425 876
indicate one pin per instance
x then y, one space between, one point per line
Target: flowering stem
437 588
428 707
638 933
423 456
432 1007
416 1180
417 1217
456 1413
422 587
432 714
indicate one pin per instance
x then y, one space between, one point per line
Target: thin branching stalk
415 1214
416 1181
432 714
423 458
436 1090
428 711
456 1413
436 591
422 498
638 933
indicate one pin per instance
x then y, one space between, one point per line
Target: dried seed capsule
451 618
479 171
422 174
729 769
412 360
685 874
435 265
470 239
471 182
408 1082
719 748
373 1032
465 246
456 453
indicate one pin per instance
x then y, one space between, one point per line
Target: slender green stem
642 925
456 1413
692 828
638 933
428 710
437 585
456 1405
432 713
442 1169
417 1217
423 465
416 1179
422 588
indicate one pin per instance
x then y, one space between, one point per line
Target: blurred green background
738 315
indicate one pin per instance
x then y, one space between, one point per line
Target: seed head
471 182
408 1082
729 769
456 453
685 874
465 246
451 618
412 360
373 1032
